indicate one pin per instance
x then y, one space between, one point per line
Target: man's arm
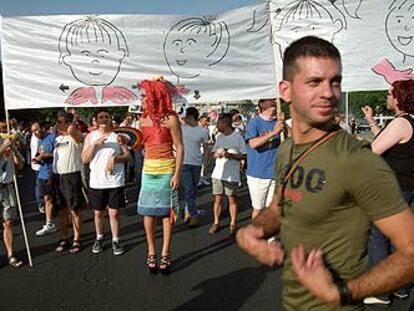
397 269
75 133
125 155
18 159
391 273
89 148
260 141
253 238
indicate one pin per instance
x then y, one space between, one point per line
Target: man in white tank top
67 179
106 158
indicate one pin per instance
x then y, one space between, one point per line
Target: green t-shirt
330 201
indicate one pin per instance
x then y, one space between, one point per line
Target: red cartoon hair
158 100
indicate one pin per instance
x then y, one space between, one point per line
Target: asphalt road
209 271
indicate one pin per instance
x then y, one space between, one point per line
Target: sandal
76 247
62 246
165 264
214 228
14 261
152 263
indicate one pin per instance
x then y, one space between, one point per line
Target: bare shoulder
172 121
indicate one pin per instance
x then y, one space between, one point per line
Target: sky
175 7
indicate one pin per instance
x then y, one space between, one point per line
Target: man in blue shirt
263 139
44 157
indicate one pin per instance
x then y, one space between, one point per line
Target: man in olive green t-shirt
330 189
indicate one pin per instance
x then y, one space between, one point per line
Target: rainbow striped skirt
156 196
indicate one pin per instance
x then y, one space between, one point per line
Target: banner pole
26 240
278 101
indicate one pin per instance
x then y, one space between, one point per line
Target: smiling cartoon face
399 25
186 53
95 64
321 26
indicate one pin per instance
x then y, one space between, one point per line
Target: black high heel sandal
152 263
165 264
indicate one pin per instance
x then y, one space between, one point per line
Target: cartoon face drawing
185 54
193 44
93 49
302 18
399 26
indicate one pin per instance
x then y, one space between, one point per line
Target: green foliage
49 114
376 99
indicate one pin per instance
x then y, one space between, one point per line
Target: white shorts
261 191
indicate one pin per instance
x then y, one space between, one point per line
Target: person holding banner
10 159
68 180
158 197
106 158
322 211
263 140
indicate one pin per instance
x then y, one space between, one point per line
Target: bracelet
345 296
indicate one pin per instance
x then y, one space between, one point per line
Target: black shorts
68 191
100 199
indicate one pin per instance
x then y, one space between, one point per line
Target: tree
376 99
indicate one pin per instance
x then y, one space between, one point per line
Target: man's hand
251 240
100 141
281 116
313 274
219 153
278 128
7 142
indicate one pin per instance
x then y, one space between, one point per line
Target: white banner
52 61
375 37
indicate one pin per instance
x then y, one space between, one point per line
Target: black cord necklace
291 167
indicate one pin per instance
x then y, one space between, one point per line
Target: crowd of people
320 198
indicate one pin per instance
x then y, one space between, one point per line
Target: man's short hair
266 103
192 111
66 115
306 47
227 118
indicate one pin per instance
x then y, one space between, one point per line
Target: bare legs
233 208
8 236
113 222
150 226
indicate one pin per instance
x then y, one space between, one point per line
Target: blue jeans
190 175
379 247
40 201
138 161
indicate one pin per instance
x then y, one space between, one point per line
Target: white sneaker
377 301
47 229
